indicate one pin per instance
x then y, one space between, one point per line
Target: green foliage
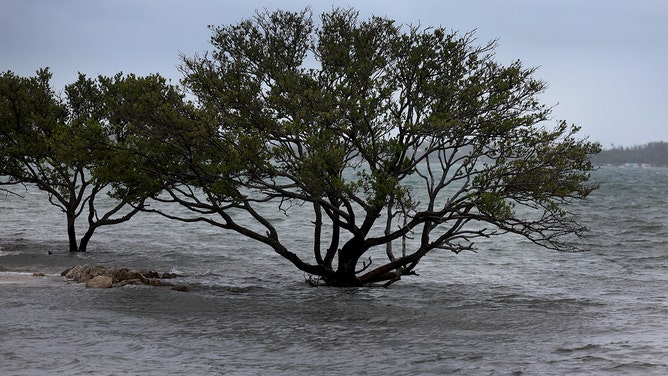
379 135
134 106
77 146
366 119
494 206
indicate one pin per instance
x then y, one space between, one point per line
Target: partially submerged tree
390 141
72 148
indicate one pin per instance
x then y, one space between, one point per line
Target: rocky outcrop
100 282
106 277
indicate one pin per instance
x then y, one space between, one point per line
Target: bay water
512 308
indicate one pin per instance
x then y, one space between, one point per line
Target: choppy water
511 308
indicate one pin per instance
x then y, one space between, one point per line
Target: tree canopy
73 147
387 142
382 142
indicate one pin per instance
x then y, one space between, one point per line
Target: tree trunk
71 232
83 245
348 257
347 280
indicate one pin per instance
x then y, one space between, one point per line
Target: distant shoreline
653 154
630 165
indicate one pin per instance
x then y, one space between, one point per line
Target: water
511 308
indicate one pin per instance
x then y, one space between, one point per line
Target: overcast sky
604 61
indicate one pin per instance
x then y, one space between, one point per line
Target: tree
72 148
393 141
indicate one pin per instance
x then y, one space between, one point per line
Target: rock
100 282
154 282
101 277
38 274
84 273
130 282
110 271
180 288
149 273
74 271
124 274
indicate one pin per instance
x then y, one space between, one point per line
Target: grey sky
605 61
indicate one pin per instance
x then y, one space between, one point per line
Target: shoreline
91 277
27 278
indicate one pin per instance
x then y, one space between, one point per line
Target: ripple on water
509 309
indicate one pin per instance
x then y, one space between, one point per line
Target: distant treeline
653 154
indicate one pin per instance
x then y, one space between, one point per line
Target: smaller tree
72 148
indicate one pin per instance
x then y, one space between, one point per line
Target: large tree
389 142
72 147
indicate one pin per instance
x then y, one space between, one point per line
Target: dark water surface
511 308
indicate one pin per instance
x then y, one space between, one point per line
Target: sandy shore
26 279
